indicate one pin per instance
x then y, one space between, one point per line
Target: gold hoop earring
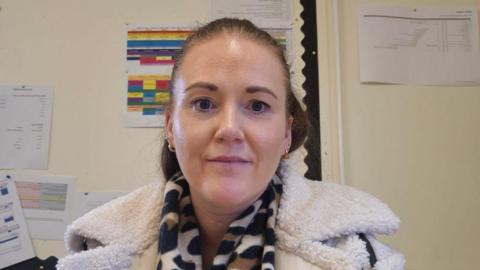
170 147
286 155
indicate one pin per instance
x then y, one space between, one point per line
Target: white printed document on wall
15 243
422 46
25 117
87 201
266 14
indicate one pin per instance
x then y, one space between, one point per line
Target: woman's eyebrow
205 85
255 89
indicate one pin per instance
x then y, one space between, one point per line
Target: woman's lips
229 165
229 159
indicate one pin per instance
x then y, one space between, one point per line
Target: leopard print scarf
249 242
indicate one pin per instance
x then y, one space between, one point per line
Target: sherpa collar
132 220
310 211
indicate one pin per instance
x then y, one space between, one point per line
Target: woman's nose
229 127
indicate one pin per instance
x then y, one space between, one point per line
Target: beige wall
418 149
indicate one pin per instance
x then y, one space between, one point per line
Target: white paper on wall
425 46
87 201
15 243
25 120
46 203
267 14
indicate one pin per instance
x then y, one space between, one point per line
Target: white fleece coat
317 227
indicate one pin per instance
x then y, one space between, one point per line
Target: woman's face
228 121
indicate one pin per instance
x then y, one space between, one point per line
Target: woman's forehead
233 44
234 52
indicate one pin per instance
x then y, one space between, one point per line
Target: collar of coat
310 211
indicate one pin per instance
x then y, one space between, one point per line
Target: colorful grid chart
151 50
42 196
148 94
155 47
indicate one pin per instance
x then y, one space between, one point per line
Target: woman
229 202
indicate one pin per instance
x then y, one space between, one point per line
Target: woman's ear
169 127
288 132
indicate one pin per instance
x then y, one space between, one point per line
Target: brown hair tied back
247 29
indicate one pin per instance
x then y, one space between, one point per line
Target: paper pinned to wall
424 46
86 201
267 14
25 120
15 243
46 203
275 17
150 55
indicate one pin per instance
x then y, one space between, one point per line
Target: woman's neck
211 235
213 224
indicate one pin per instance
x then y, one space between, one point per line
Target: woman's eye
203 104
258 106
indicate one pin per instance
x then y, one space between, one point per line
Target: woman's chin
228 198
